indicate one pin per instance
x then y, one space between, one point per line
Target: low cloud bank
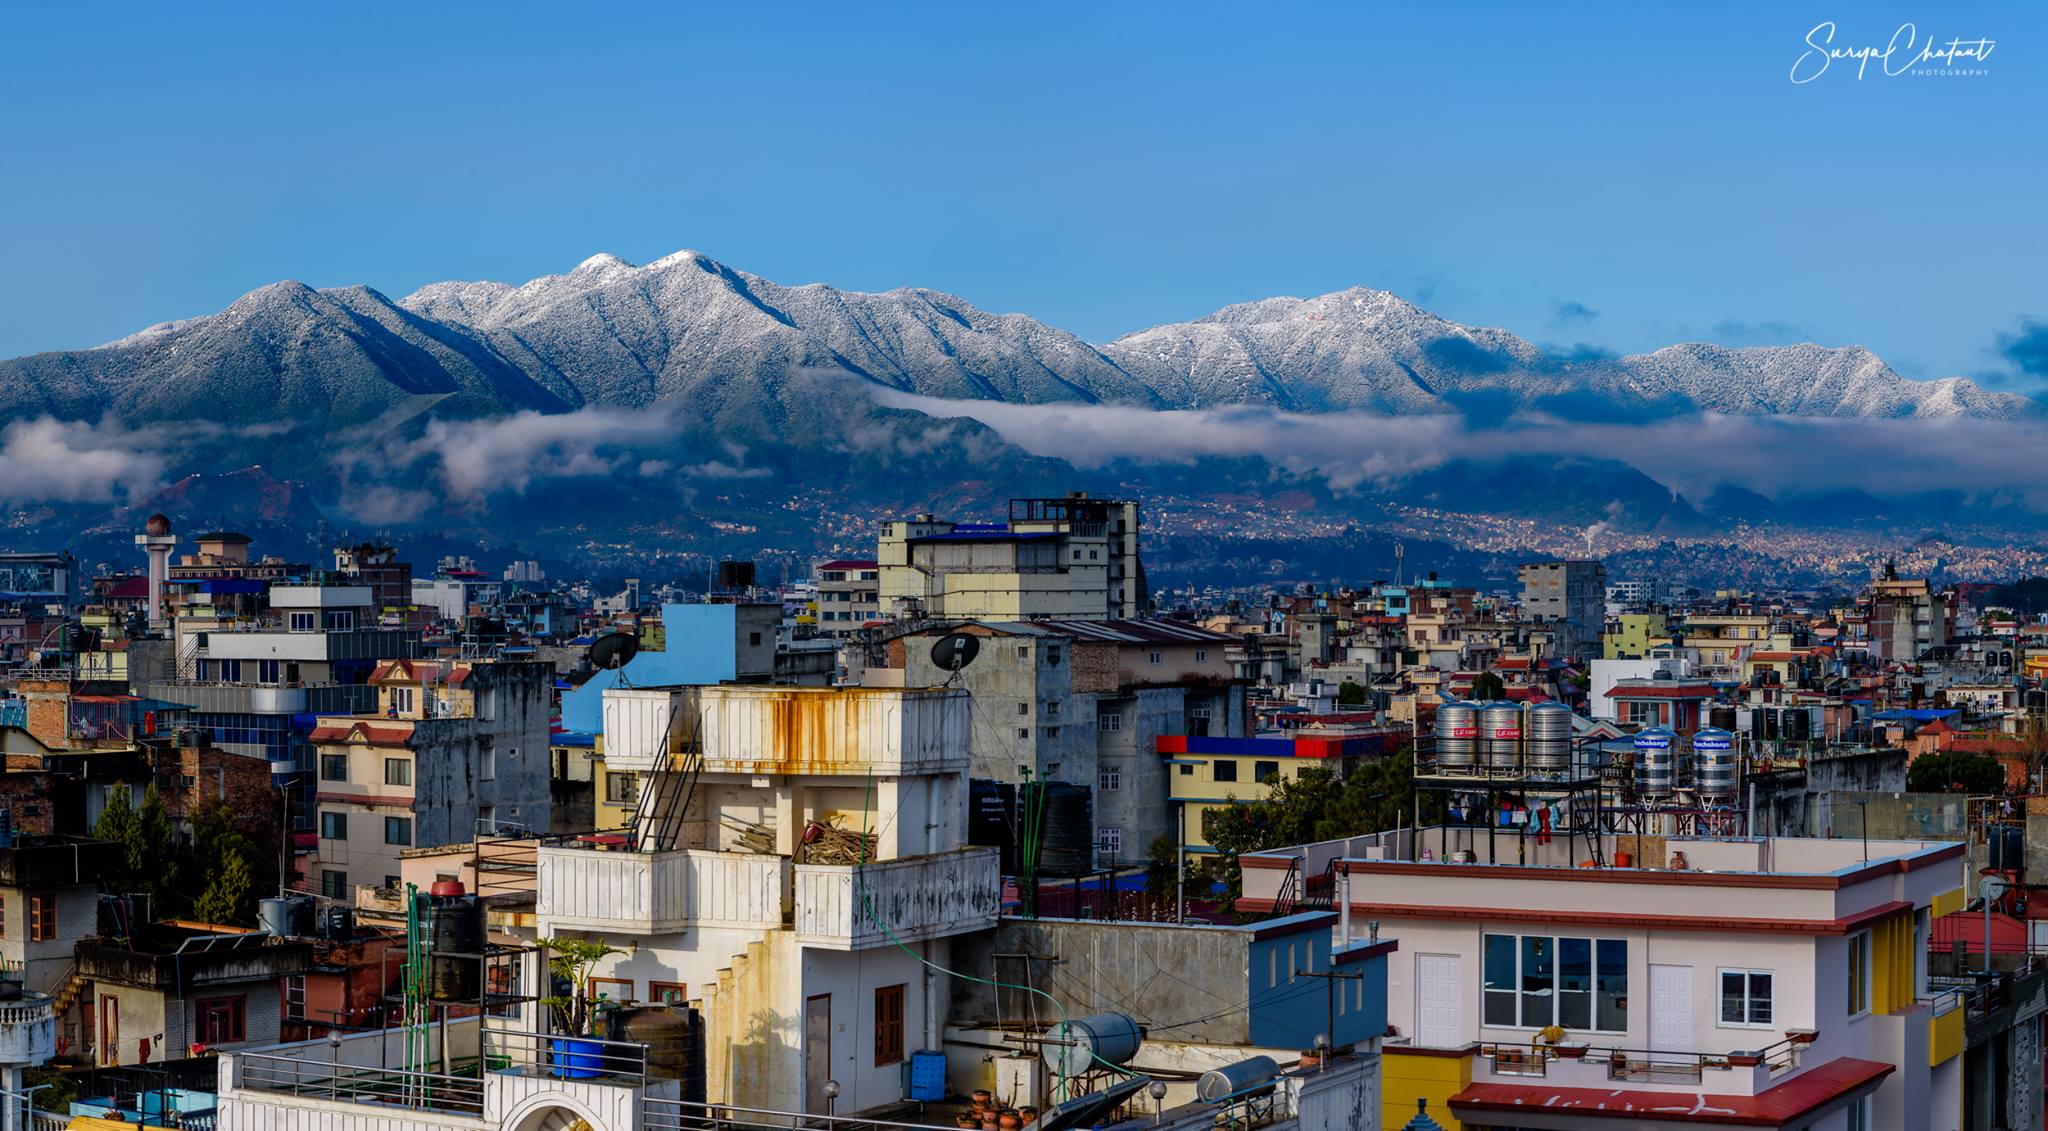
50 460
1773 456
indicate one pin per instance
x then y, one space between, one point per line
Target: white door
1671 1009
1437 986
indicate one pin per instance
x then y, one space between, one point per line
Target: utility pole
1330 979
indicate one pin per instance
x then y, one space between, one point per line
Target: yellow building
1207 775
1634 635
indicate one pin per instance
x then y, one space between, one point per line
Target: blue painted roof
572 738
1917 714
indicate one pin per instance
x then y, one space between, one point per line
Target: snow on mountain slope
740 355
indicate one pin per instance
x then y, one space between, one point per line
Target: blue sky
1625 176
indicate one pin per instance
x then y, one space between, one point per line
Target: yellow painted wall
1200 791
1946 902
1891 962
1634 634
1407 1077
1945 1036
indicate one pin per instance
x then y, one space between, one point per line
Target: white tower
157 541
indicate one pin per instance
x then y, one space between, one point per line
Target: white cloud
50 460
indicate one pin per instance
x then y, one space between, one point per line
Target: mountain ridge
728 345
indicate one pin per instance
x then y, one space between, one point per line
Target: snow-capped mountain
733 349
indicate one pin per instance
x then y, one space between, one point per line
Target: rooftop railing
317 1070
686 1115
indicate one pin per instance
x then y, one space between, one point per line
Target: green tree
1488 685
230 892
225 867
1162 859
1350 694
574 960
1955 771
1318 804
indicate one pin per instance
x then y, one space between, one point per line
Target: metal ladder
665 804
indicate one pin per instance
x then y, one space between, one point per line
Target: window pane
1732 992
1499 980
1539 978
1611 986
1760 999
1575 983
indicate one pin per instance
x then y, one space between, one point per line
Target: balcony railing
685 1115
335 1073
1640 1066
846 907
601 886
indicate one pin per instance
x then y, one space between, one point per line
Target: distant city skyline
1625 183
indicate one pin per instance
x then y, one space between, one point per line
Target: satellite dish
955 650
613 650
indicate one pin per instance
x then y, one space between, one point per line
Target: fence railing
686 1115
1639 1065
461 1087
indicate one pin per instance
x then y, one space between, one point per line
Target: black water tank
455 926
2008 847
1798 724
1067 833
991 819
337 923
1721 718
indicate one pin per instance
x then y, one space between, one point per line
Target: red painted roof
390 733
1664 691
849 564
1796 1098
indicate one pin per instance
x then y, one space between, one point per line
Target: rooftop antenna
613 651
955 651
1400 556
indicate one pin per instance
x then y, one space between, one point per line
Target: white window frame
1109 781
1749 998
303 622
1154 657
1556 981
1109 842
1111 721
1856 964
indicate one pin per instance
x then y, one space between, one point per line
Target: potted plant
577 1052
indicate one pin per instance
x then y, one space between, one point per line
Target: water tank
665 1030
991 808
1067 831
1798 724
304 907
1550 738
1457 737
1218 1083
455 926
2008 847
1714 764
1721 717
337 922
1654 763
1088 1042
1500 726
274 917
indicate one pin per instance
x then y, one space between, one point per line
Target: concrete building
1905 618
1055 559
1773 983
1630 636
1207 996
807 966
1206 775
1573 593
456 749
163 990
49 899
848 595
39 580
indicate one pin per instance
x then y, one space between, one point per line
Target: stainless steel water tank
1219 1083
1549 728
1088 1042
1500 727
1457 737
1654 763
1714 766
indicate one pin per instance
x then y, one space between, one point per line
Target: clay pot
1009 1121
967 1122
983 1098
988 1121
1028 1114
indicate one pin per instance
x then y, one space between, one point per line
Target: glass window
1575 983
1859 973
333 767
1186 770
1499 985
621 787
1223 770
1539 980
1109 721
333 826
1611 987
397 771
1109 781
398 830
1746 998
1265 771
